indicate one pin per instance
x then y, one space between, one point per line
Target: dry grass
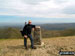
14 47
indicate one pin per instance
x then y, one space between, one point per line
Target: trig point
37 36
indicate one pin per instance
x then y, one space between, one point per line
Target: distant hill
13 32
48 26
58 26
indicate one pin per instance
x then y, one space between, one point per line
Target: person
27 34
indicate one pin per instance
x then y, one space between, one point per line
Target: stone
37 36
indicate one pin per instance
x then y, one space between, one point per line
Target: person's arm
33 27
25 31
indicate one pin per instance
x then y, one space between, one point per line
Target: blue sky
22 19
40 11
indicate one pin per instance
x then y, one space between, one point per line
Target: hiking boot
33 47
26 48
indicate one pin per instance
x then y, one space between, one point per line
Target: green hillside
58 33
14 33
10 33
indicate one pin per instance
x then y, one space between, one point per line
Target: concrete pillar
37 36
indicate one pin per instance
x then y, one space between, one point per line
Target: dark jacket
28 29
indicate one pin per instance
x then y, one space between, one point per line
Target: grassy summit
14 47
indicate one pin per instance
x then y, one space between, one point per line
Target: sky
39 11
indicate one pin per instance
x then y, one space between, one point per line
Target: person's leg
31 39
32 42
25 42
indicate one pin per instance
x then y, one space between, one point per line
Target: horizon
12 24
37 20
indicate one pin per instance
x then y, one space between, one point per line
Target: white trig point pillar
37 36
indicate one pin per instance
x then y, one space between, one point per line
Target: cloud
33 2
60 1
38 8
69 10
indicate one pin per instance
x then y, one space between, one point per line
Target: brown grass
14 47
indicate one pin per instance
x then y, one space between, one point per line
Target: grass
52 46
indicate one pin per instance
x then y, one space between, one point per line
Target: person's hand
33 29
25 36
